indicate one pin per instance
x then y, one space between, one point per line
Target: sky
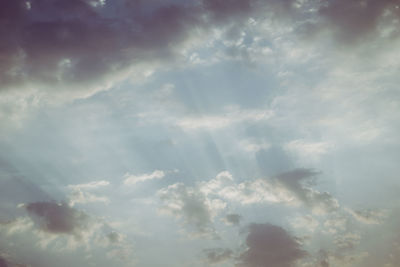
227 133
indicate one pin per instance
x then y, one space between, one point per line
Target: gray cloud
353 21
6 262
190 205
56 218
80 41
233 219
218 255
299 182
3 263
270 246
76 41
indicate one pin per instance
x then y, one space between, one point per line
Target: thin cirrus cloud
130 179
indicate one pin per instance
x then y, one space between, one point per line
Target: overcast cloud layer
228 133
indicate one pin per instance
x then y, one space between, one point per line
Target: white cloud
131 179
80 193
90 185
287 188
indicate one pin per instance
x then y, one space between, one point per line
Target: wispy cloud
130 179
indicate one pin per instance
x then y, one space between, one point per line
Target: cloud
298 182
270 246
354 21
80 196
91 185
192 206
197 206
82 42
232 219
291 188
368 216
3 262
49 45
134 179
80 193
57 218
217 255
6 262
248 192
347 241
114 237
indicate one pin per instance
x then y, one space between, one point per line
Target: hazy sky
196 133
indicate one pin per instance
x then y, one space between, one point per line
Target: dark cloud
3 262
76 41
352 22
324 263
80 41
299 182
57 217
218 255
270 246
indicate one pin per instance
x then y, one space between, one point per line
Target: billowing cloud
46 44
57 218
190 205
49 45
292 188
270 246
